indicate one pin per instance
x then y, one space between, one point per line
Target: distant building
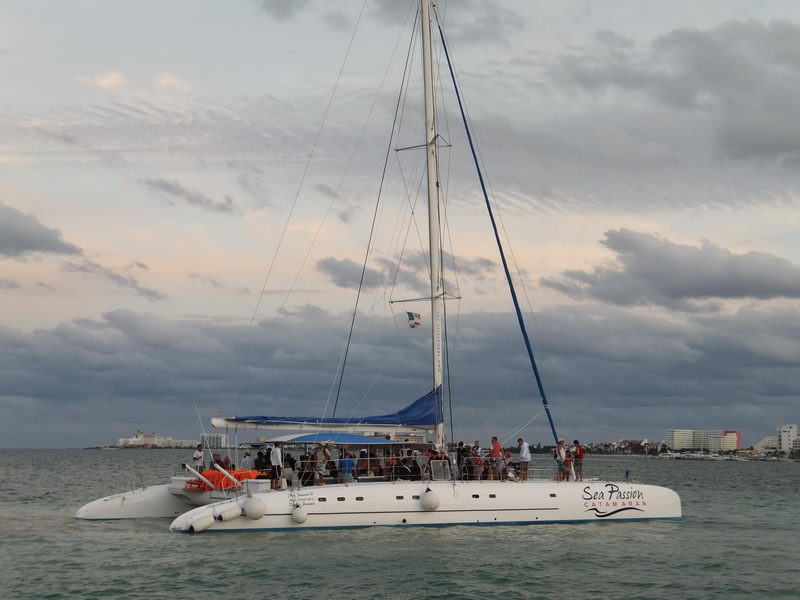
768 444
787 434
713 440
153 440
214 441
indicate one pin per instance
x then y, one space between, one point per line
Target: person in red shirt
495 453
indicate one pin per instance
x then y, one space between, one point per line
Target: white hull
459 503
167 500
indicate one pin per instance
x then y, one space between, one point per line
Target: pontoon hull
163 501
457 503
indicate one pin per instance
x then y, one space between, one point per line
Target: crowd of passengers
472 463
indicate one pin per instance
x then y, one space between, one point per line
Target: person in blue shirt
346 466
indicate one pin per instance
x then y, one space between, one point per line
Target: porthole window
552 495
399 497
476 495
322 499
492 495
415 497
340 498
359 498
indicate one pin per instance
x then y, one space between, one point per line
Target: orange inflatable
219 480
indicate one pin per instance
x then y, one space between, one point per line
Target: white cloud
105 81
171 81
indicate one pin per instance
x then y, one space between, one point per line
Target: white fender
299 514
254 508
202 523
430 500
229 513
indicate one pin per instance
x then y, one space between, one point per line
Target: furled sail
424 414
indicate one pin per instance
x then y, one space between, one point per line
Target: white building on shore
153 440
787 434
713 440
768 444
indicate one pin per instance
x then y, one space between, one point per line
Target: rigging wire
314 146
372 229
514 298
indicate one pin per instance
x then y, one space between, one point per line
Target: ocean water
738 539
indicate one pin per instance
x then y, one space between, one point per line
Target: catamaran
441 497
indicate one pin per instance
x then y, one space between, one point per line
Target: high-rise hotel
713 440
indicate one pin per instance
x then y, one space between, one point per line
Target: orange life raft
219 480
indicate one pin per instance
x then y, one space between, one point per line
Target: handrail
236 482
199 476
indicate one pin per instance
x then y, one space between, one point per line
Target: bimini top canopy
421 415
333 437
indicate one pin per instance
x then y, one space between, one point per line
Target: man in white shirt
524 458
197 458
276 460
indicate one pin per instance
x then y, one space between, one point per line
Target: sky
187 191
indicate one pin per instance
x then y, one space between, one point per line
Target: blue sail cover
426 412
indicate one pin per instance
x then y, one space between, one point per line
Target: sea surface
738 539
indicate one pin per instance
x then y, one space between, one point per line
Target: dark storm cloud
609 374
744 75
128 282
23 234
191 197
346 273
412 273
653 270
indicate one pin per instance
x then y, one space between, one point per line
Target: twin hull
434 503
167 500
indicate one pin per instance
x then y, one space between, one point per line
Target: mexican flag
414 320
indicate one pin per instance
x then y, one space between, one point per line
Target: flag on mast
414 320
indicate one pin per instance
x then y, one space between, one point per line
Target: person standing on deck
322 457
560 454
247 461
346 466
276 472
495 454
578 451
197 458
524 458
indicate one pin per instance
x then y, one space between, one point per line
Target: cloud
486 21
129 282
23 234
653 270
191 197
412 273
743 75
9 284
609 374
282 10
346 273
205 280
105 81
171 81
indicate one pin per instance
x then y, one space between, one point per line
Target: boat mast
434 228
